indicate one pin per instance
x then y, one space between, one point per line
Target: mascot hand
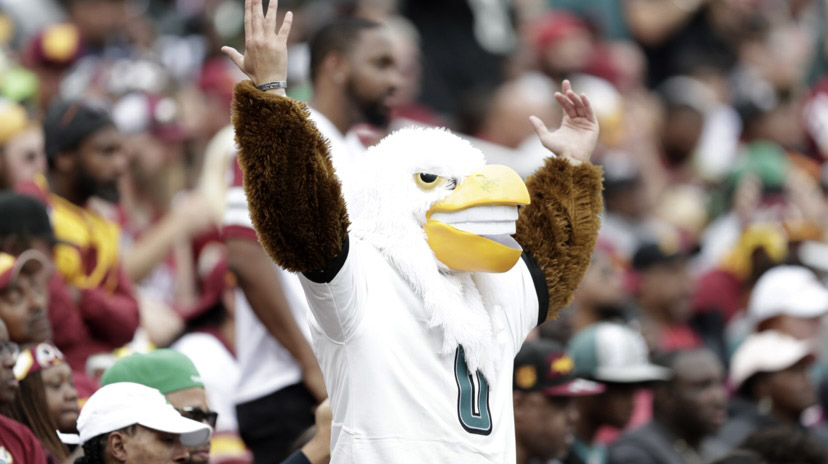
576 138
265 45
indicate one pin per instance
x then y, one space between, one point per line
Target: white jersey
394 398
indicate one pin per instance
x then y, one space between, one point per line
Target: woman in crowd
47 401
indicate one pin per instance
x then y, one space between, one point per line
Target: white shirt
394 398
265 365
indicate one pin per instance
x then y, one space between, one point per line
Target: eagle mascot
424 269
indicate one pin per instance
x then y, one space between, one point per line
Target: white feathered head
426 199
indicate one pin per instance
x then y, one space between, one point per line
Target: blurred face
23 305
24 156
98 19
680 134
667 288
8 383
614 407
544 425
603 284
192 403
146 445
568 54
697 396
101 161
373 77
61 396
801 328
791 390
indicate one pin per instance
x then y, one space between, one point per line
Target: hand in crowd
194 212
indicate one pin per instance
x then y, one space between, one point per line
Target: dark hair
780 443
94 450
24 218
31 409
337 37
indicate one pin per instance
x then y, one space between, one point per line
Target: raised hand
265 45
576 138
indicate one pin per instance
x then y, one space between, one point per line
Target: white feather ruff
388 209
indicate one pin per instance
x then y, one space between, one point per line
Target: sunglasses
199 415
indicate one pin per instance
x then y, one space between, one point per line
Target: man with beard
687 409
83 149
354 75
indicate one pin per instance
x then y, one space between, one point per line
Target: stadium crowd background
714 136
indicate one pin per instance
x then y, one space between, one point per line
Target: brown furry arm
294 196
559 227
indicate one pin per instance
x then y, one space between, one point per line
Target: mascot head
428 202
430 183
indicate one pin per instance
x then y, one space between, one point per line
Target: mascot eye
428 181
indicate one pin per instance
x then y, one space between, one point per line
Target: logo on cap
562 365
526 377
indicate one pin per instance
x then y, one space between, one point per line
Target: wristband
272 85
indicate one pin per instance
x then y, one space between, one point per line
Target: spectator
464 45
726 289
688 408
602 295
354 76
133 424
21 146
626 223
174 375
685 103
544 392
770 374
664 293
82 329
17 443
47 402
85 160
617 357
50 54
209 337
790 300
98 22
24 299
563 43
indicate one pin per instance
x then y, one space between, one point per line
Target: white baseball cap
789 290
610 352
767 351
122 404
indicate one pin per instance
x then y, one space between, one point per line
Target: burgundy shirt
18 445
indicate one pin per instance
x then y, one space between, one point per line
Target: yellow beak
470 229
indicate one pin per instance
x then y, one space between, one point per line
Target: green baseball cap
610 352
165 370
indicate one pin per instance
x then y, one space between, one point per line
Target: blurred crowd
696 336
